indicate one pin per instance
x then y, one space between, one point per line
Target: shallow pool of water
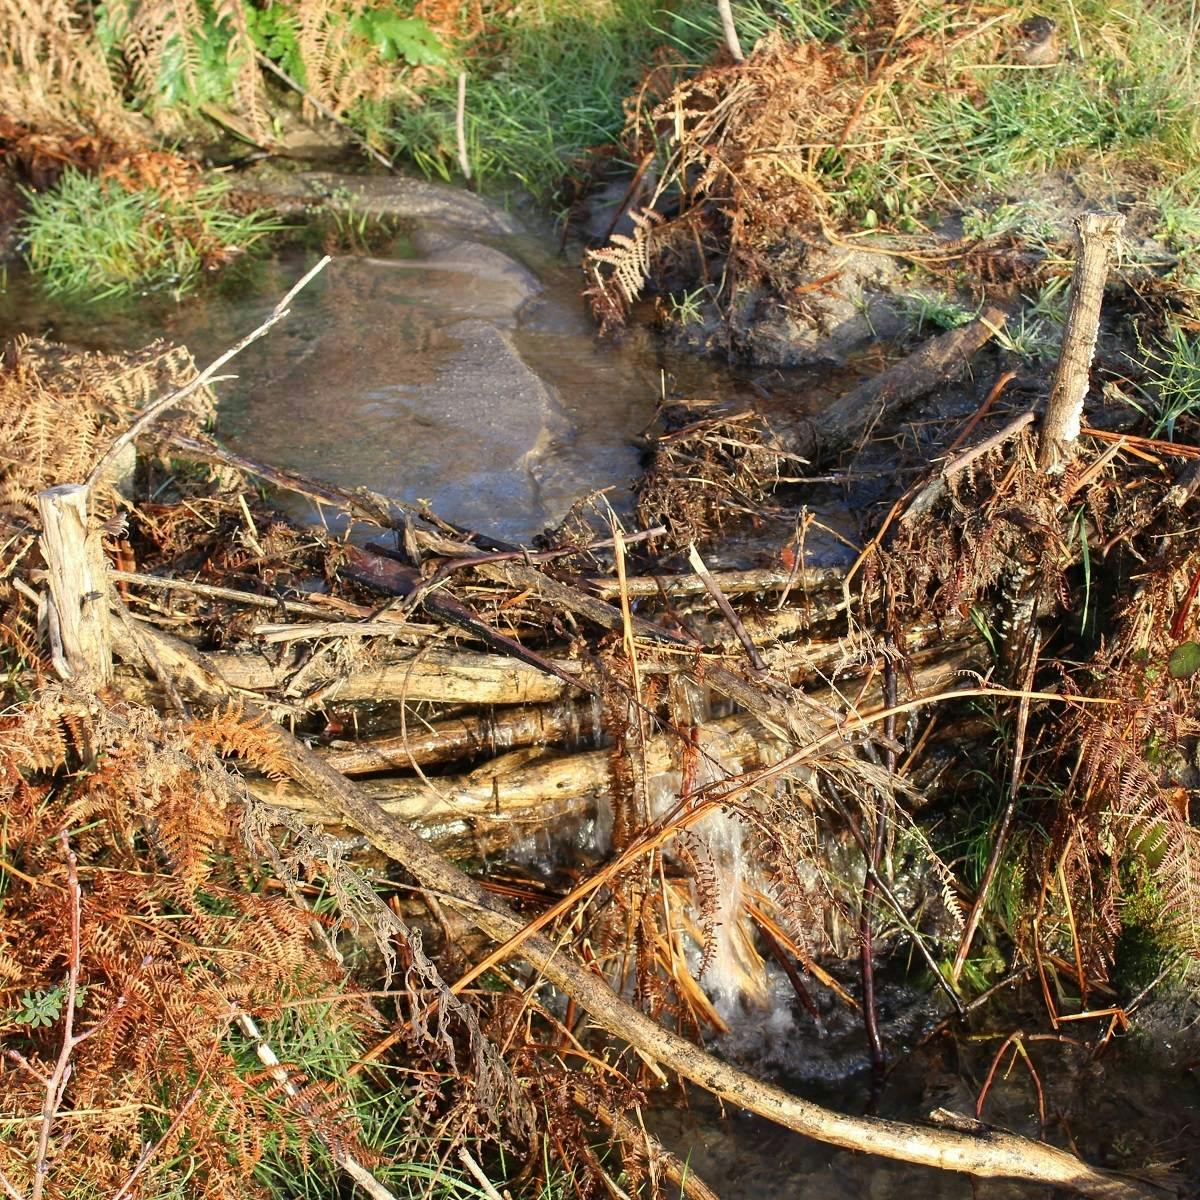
456 368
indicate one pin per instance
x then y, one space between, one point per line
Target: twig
460 126
56 1084
714 590
10 1189
477 1173
866 911
151 413
151 1150
679 1173
934 489
324 109
213 592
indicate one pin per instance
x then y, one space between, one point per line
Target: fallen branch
940 360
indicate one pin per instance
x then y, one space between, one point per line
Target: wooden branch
456 738
78 585
942 359
323 109
392 578
1098 233
577 601
732 583
443 675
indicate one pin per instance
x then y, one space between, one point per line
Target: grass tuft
90 238
551 80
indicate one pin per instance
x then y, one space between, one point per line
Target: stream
460 367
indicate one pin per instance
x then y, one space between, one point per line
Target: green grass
555 83
1119 107
1173 376
91 239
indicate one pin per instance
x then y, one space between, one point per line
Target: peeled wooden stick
732 43
1098 234
75 565
460 126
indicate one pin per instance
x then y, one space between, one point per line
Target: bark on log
474 736
1098 234
446 676
942 359
78 585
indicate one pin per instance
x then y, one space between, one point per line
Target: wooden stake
78 583
730 30
1098 234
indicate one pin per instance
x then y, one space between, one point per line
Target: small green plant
930 309
1030 338
92 239
1173 369
686 308
39 1009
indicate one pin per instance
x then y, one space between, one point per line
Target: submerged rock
391 197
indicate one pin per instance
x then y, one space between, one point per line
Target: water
458 369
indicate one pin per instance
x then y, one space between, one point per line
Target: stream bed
460 367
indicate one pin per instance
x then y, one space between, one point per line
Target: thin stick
213 592
475 1169
874 856
735 623
323 109
460 126
934 489
56 1084
1014 784
159 406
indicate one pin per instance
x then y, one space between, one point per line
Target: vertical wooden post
1098 234
730 30
78 585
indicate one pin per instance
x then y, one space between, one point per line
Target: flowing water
460 367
